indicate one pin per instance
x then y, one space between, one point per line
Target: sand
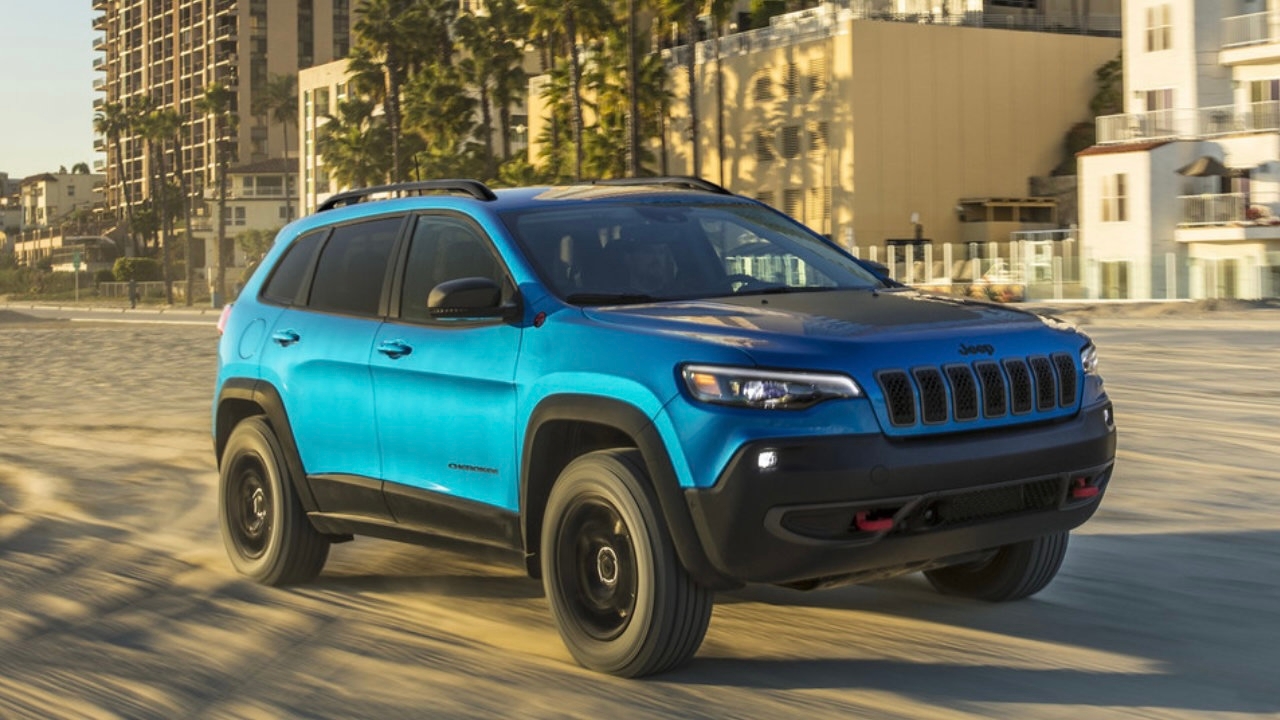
116 599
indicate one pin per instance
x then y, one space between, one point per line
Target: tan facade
171 50
853 126
49 198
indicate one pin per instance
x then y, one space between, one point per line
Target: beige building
320 89
50 198
171 50
866 129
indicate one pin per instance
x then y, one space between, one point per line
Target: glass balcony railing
1253 29
1188 124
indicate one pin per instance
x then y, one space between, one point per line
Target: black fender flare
630 420
264 395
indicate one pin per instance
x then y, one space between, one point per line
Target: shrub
104 275
136 268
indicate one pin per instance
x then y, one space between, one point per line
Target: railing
1188 124
1253 29
1212 209
828 20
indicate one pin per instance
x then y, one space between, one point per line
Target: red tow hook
865 524
1082 490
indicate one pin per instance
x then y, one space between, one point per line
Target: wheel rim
249 506
596 567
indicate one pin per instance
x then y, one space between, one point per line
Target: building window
817 74
790 141
1159 28
764 145
818 136
793 80
1264 98
793 204
763 88
234 217
1114 199
765 197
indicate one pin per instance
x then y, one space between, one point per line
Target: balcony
99 84
100 43
99 103
1252 38
1194 124
100 64
100 23
1221 209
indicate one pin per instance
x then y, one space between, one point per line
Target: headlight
1089 359
765 389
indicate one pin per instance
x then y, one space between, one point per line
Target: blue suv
648 390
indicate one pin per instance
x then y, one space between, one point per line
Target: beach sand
117 599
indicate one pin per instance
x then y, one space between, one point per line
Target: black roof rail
474 188
684 181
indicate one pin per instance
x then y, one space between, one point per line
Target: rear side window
352 267
287 278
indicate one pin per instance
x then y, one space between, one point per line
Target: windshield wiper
783 289
610 298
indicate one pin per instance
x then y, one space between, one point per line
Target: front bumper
863 506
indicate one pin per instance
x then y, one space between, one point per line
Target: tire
1014 572
266 532
623 603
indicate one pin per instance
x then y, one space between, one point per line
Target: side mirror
469 298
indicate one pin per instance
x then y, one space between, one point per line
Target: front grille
989 503
988 388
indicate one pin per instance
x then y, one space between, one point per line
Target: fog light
767 459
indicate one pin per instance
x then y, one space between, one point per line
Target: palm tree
279 99
158 127
216 103
111 123
572 19
354 144
383 37
438 109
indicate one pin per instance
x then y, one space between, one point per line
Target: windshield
644 252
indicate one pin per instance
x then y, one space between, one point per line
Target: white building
257 199
1181 195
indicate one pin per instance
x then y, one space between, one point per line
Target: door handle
285 338
395 349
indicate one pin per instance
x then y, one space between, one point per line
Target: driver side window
441 249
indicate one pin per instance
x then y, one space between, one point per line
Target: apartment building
889 133
170 50
1180 198
50 198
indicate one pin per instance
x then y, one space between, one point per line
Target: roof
1122 148
270 166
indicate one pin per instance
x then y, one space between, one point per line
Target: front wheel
266 532
620 597
1014 572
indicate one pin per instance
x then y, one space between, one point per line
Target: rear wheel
264 528
1014 572
620 597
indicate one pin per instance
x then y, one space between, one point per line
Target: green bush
104 275
141 269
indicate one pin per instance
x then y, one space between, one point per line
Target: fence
150 289
1031 265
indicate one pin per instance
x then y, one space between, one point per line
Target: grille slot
964 391
1046 393
899 396
1020 385
994 403
1067 379
933 395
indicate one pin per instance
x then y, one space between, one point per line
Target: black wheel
620 597
1014 572
267 534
